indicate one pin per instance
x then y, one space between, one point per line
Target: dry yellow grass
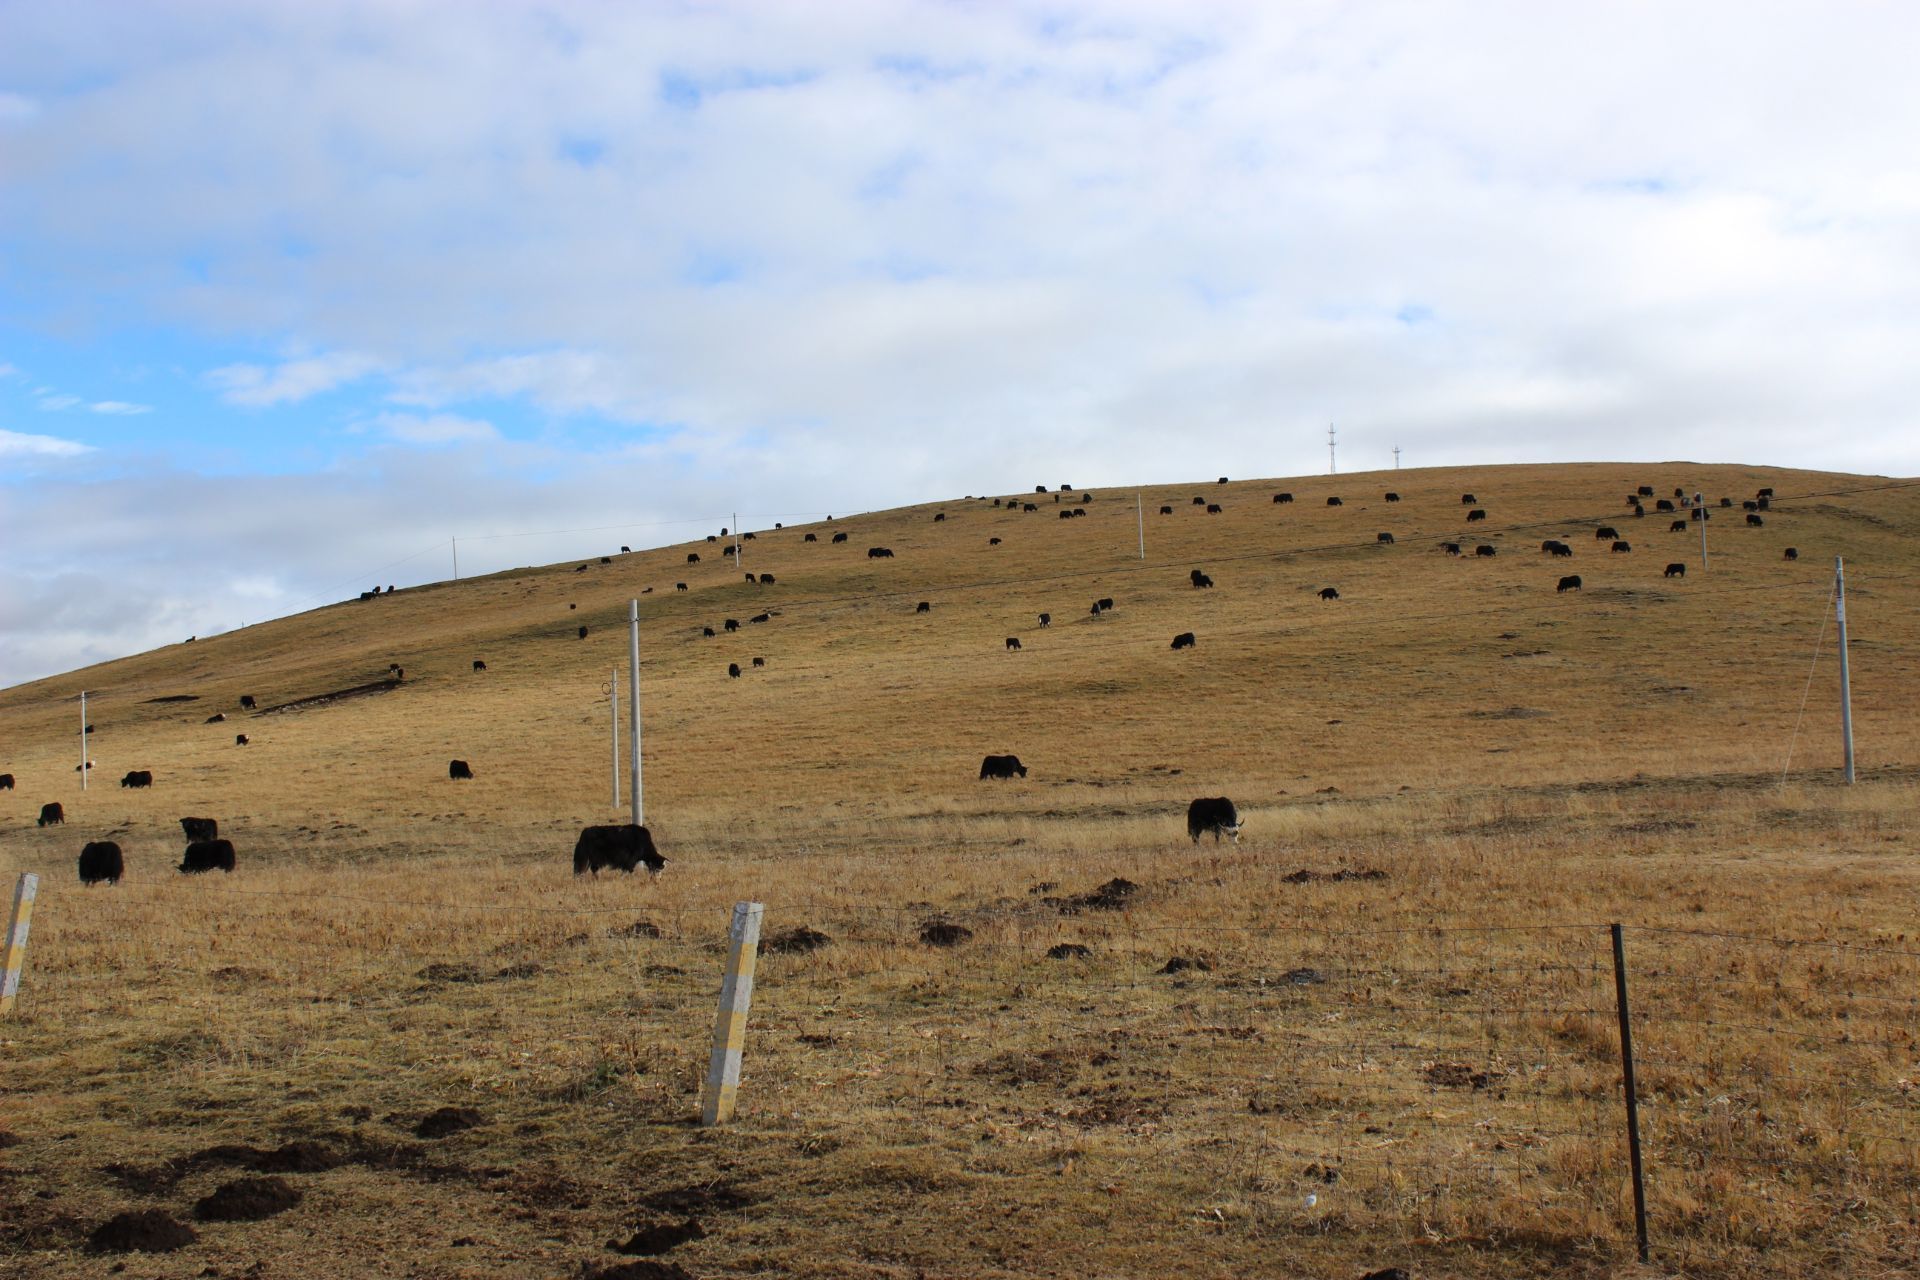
1523 766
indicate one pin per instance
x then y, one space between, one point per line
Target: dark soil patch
642 1270
148 1179
247 1200
685 1202
299 1157
1458 1075
944 933
795 942
1180 964
1346 875
1114 895
1068 951
452 973
1303 977
526 969
148 1231
1509 713
638 929
338 695
8 1139
447 1120
650 1242
33 1228
176 697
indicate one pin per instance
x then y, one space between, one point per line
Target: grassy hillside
1513 765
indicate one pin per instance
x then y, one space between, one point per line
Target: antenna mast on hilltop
1332 469
1396 457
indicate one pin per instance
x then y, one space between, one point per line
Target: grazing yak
1678 526
1451 548
759 662
1386 538
879 553
1793 553
733 671
100 860
1046 619
1620 545
1166 511
1663 505
1675 570
138 778
679 586
1215 814
810 538
1485 550
1393 497
1328 593
1467 500
707 632
6 782
1605 532
1105 603
1283 497
52 815
693 557
583 633
1201 580
993 542
479 665
1645 491
940 518
1184 640
1755 521
839 537
1333 502
731 624
239 739
1013 642
625 848
1475 515
1199 502
246 702
206 855
760 617
218 717
1764 493
458 770
1002 767
200 828
925 606
1569 583
1213 508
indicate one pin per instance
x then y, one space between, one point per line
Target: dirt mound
944 933
1345 875
638 929
525 969
1457 1075
447 1120
1114 895
641 1271
1180 964
650 1241
1068 951
795 942
247 1200
148 1231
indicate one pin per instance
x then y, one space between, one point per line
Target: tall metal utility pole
1846 685
456 559
83 739
1332 470
613 698
633 704
1396 457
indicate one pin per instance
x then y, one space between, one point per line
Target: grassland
1424 1044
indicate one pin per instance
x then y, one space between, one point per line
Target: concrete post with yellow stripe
15 954
730 1026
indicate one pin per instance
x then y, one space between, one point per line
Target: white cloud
9 371
15 444
119 407
258 386
435 429
17 108
57 403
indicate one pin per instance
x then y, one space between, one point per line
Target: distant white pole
1846 685
613 689
1396 457
83 739
633 704
736 539
1332 470
1700 505
456 559
1140 515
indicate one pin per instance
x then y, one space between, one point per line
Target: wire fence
1411 1078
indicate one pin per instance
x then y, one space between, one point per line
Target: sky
294 295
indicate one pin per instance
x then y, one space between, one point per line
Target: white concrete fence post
730 1025
15 954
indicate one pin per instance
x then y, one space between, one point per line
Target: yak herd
629 847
